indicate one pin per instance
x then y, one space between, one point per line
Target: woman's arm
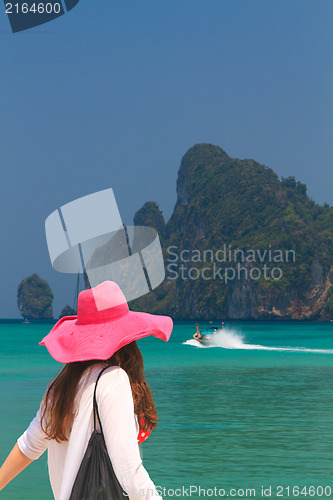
29 447
13 465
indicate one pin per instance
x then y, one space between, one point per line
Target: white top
120 428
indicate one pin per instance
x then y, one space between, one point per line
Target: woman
102 335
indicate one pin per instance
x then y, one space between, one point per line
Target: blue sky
114 93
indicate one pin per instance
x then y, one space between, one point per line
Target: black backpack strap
95 407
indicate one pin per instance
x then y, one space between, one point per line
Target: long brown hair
58 409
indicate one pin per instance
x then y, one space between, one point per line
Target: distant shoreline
227 321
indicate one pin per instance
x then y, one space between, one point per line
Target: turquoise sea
253 411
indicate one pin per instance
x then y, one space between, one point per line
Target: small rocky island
67 311
34 298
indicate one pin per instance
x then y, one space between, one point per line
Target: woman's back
120 427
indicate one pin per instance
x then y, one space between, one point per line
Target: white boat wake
229 339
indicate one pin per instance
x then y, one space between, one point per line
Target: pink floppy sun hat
103 325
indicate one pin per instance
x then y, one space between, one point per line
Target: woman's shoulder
115 374
113 383
111 376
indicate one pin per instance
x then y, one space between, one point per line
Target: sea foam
228 338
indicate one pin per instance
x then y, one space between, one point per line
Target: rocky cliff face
241 244
150 215
34 298
245 300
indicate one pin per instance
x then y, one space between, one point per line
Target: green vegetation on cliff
150 215
245 206
34 298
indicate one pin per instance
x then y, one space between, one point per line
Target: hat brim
69 341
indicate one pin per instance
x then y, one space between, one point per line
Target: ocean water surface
254 410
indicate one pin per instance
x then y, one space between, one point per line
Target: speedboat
205 337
